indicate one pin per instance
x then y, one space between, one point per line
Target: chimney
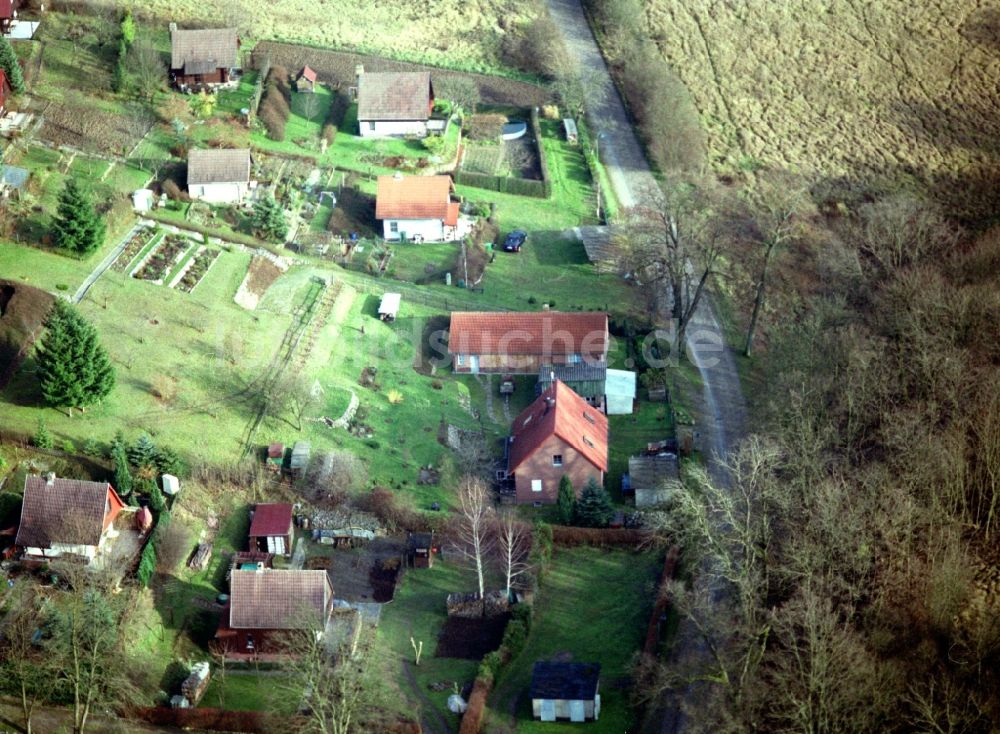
359 72
550 403
50 479
398 176
545 307
172 27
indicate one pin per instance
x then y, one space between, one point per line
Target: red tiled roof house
8 13
5 90
265 605
272 530
66 517
524 343
203 56
558 434
416 208
394 103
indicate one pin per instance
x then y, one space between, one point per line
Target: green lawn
594 607
418 611
248 690
302 132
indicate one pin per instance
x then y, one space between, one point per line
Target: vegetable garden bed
136 244
202 261
163 258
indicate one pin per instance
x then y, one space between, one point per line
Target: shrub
168 462
173 191
91 447
522 613
394 396
485 126
69 447
273 123
147 564
566 501
490 666
434 144
173 543
280 78
537 49
514 637
42 438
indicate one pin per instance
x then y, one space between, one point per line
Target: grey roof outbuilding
219 165
204 50
395 95
565 681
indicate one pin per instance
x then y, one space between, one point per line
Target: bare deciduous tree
513 546
678 245
473 539
777 204
24 666
337 683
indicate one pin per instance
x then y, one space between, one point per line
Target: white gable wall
432 230
218 193
392 128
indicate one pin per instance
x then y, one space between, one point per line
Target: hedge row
472 720
570 537
505 184
542 161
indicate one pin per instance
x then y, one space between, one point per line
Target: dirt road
722 410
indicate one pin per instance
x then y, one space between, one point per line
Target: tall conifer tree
73 369
77 225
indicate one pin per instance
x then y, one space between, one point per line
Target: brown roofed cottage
203 56
394 103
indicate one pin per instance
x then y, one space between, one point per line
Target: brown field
458 33
891 91
339 67
22 311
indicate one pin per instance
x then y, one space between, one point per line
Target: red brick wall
539 466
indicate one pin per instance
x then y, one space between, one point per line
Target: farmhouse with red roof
526 343
558 434
417 208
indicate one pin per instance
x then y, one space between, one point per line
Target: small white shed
388 309
171 485
569 126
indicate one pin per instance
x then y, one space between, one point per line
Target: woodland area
857 546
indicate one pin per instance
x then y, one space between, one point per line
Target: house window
590 418
249 642
459 360
371 126
575 358
394 227
557 460
536 485
588 442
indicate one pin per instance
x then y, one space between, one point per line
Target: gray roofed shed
395 95
300 456
587 380
652 478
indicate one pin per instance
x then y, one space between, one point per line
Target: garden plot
89 128
190 276
163 258
140 240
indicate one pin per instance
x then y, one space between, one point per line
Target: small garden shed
388 309
271 529
565 691
420 550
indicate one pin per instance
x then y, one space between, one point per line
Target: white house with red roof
558 434
417 209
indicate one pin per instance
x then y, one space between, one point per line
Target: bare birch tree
513 546
473 539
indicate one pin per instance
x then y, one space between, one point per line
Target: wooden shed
420 550
305 81
569 127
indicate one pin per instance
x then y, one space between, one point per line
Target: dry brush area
885 92
465 33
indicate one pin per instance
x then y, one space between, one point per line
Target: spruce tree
566 501
143 453
594 509
157 502
11 67
269 219
123 477
42 438
73 369
77 225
